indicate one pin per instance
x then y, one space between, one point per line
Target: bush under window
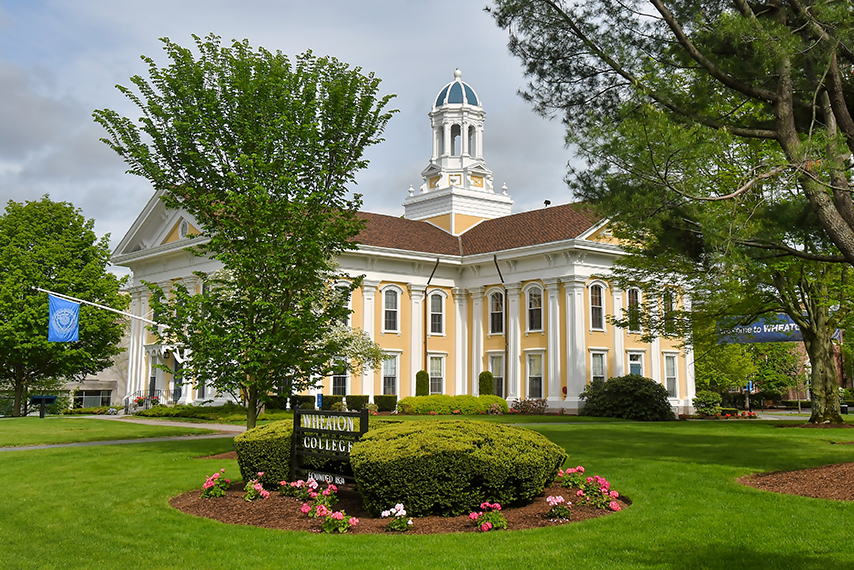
632 397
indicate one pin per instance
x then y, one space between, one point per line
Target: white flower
384 514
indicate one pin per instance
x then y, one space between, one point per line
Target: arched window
496 313
391 310
633 310
535 309
456 141
437 313
597 308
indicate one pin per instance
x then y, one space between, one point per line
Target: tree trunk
19 397
824 384
252 406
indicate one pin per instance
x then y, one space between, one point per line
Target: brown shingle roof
411 235
547 225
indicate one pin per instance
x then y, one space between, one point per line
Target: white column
133 343
446 138
143 358
655 360
464 138
369 292
479 143
514 342
576 350
460 340
476 337
619 334
555 397
416 333
691 388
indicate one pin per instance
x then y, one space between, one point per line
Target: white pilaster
553 372
476 337
416 333
369 293
514 342
460 340
619 333
576 352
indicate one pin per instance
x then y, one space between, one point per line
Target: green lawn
69 429
107 506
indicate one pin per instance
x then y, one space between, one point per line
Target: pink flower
260 474
258 486
322 511
265 494
353 521
215 476
486 526
590 479
580 493
614 494
614 506
474 516
283 483
580 469
338 516
332 488
313 495
222 470
305 508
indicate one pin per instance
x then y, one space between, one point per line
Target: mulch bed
829 482
820 426
283 512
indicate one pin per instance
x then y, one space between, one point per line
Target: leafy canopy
260 150
51 245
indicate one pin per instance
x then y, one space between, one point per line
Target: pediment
155 226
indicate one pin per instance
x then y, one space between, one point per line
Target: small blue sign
319 401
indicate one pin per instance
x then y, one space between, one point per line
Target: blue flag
62 325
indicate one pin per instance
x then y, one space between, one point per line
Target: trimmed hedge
356 403
707 403
329 400
422 383
305 402
486 383
445 405
386 403
268 449
450 467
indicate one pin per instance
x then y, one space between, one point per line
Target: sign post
322 442
42 402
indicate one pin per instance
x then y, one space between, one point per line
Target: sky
61 60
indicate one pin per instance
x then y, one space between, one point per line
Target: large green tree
777 72
261 150
51 245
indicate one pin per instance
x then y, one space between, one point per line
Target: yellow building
457 286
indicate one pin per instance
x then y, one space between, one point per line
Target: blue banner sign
62 320
780 328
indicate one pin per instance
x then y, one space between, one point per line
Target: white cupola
457 192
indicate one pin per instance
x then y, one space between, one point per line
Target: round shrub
268 449
631 397
450 467
707 403
486 383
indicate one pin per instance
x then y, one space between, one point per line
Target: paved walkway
220 431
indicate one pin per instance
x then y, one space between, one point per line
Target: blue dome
456 92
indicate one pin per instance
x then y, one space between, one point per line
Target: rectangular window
437 374
339 384
535 375
670 374
636 363
496 313
436 314
535 310
92 398
597 366
634 311
344 292
496 366
390 312
390 376
597 319
200 390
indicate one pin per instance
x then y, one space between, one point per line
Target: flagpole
70 298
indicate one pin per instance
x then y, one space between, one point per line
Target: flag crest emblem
63 322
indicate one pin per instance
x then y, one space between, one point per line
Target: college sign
780 328
322 443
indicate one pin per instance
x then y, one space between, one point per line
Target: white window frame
603 287
490 312
640 355
541 354
346 377
528 290
340 285
603 352
442 320
442 357
639 329
399 292
675 356
491 356
395 358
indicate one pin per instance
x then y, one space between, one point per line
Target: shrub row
530 406
386 403
442 404
99 411
450 467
